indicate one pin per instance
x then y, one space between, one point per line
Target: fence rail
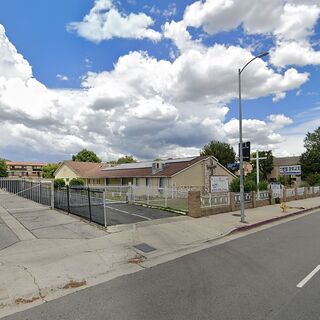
87 203
290 192
40 191
214 199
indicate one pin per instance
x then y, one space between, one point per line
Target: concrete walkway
51 254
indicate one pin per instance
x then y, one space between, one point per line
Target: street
252 277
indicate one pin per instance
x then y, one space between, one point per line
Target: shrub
59 183
304 184
263 185
235 185
313 179
249 185
285 180
76 182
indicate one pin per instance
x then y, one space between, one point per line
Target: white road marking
132 214
308 277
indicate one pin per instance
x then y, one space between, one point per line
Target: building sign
290 170
276 189
219 183
233 166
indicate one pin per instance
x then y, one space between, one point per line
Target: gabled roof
171 168
286 161
80 168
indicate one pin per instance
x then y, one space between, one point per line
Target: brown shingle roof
169 170
82 168
286 161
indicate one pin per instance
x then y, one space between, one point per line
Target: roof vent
157 166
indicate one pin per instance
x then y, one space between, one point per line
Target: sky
155 78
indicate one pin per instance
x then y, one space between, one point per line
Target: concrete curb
261 223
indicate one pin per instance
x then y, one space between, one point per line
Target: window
137 181
67 179
148 182
161 182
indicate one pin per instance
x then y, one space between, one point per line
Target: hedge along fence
198 207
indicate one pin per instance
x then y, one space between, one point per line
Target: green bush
285 180
263 185
235 185
59 183
249 185
313 179
76 182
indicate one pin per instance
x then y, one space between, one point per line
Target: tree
220 150
76 182
49 170
125 159
310 160
3 169
265 166
86 156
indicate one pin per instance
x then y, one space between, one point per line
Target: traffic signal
245 151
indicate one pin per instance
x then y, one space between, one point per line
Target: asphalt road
253 277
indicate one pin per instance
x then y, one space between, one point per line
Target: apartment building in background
28 170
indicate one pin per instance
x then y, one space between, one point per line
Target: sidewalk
53 254
174 234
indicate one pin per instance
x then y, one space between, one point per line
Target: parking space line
308 277
132 214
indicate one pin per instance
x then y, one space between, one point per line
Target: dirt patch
25 301
75 284
137 259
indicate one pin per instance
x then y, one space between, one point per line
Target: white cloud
152 107
294 53
62 77
105 22
291 23
12 63
278 121
171 10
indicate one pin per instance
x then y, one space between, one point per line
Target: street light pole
258 173
241 154
242 219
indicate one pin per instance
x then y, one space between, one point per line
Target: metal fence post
52 194
89 201
104 209
166 197
68 199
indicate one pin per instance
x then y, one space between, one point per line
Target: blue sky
156 78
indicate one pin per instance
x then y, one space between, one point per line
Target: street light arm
259 56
